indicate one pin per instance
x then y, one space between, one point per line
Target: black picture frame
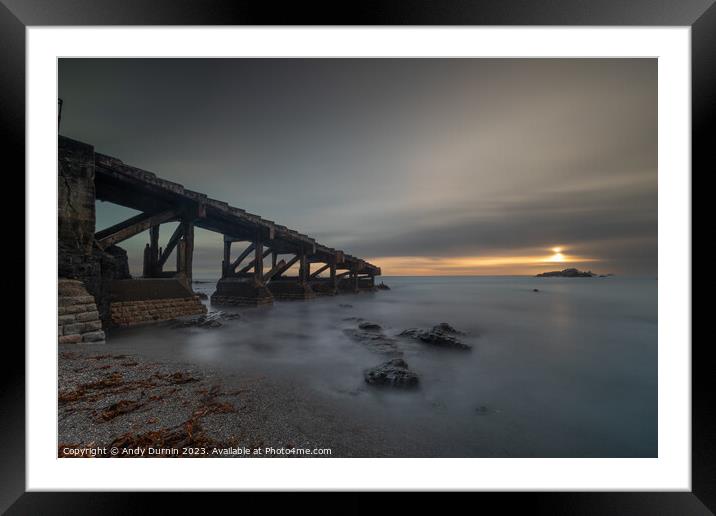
17 15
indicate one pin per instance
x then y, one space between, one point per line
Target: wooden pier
248 239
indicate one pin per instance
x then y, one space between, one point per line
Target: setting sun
557 256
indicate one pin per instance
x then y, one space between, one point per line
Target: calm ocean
569 371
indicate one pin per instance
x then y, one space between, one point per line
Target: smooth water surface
569 371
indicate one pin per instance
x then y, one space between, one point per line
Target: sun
557 256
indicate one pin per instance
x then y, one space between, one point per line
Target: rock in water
210 320
393 373
382 286
375 341
436 337
446 328
369 326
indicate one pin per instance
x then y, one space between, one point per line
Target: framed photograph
416 250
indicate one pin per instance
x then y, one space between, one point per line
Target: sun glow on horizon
473 265
557 257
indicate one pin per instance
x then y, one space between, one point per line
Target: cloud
394 157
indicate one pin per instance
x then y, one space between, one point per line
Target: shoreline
293 377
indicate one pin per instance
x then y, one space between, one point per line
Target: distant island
570 273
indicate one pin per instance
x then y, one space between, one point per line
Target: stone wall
290 289
145 300
78 256
241 291
75 206
78 318
131 313
323 287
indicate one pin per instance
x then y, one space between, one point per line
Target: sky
421 166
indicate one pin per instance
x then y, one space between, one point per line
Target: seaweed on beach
189 433
163 396
81 391
112 395
117 409
114 383
180 377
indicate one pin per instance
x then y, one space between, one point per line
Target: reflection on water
570 370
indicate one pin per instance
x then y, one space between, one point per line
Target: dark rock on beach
393 373
567 273
437 336
345 305
201 295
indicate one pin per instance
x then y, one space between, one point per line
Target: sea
569 370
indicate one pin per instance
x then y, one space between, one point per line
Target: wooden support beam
302 268
226 262
154 250
334 280
231 238
253 262
274 270
189 256
287 265
320 270
147 262
181 257
343 274
243 255
133 226
259 260
164 255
